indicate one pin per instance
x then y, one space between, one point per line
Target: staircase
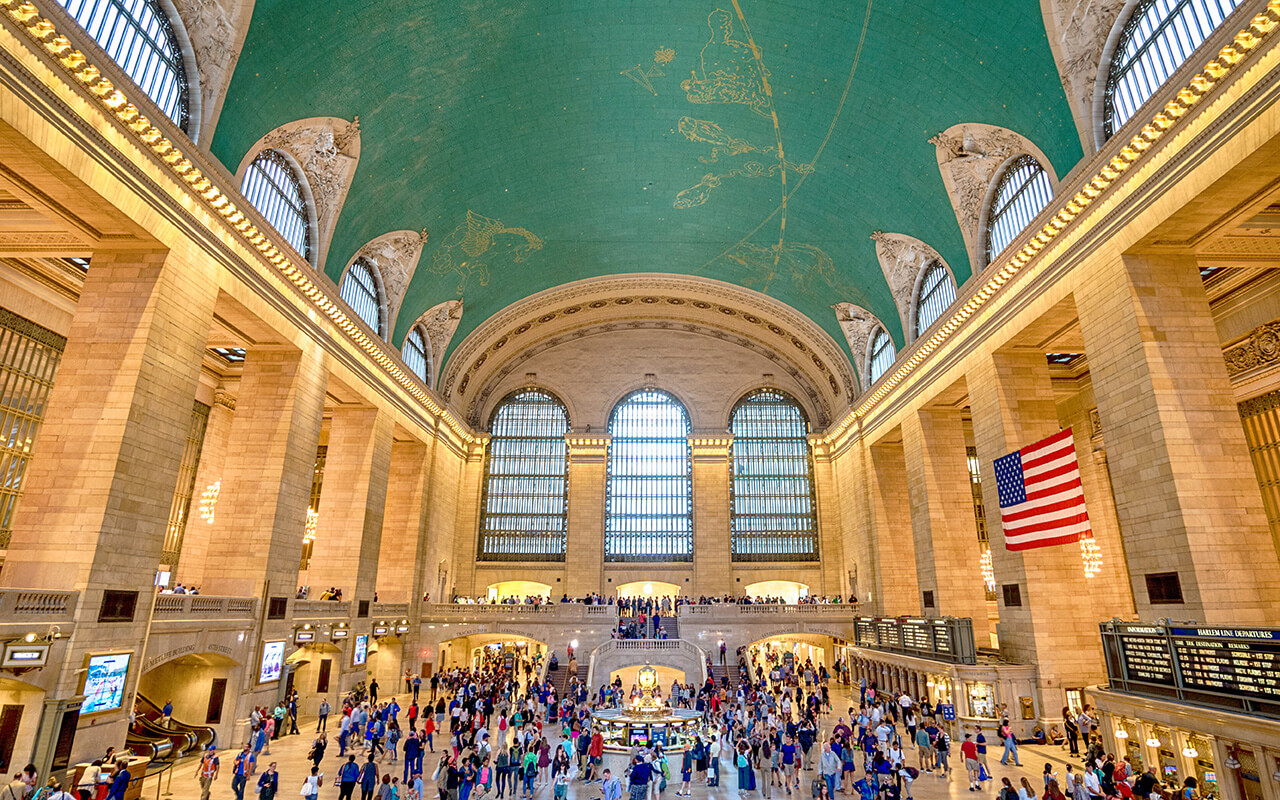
671 625
560 679
718 672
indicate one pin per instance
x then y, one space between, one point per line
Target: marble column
1186 494
897 589
213 458
945 533
711 545
104 469
352 503
584 559
404 526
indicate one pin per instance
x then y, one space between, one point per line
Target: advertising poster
104 682
272 662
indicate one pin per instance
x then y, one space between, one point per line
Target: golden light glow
1091 555
988 570
313 521
209 501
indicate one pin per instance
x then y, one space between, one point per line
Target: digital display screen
360 652
272 662
639 734
104 682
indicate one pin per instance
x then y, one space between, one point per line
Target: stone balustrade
202 606
31 605
389 610
305 610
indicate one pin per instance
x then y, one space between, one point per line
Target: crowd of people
669 604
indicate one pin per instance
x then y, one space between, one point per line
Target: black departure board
1222 666
945 639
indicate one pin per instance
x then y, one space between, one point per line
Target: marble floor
290 753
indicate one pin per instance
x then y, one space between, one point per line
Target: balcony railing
29 605
321 609
771 610
384 610
202 606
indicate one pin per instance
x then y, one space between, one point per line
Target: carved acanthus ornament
439 323
395 256
221 397
858 325
969 156
1260 349
1079 33
902 258
328 149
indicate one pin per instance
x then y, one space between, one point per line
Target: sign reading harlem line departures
1239 665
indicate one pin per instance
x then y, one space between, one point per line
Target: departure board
946 639
1225 667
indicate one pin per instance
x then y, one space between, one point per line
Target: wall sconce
1121 733
1190 752
1153 742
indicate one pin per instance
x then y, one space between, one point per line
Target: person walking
240 772
348 777
368 779
207 772
311 786
268 783
322 724
1010 744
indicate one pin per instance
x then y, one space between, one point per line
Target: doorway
10 719
217 694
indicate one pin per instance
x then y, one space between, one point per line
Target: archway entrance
646 589
518 591
201 687
786 591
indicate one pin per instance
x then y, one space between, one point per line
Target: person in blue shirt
639 775
348 777
168 714
240 773
269 783
120 782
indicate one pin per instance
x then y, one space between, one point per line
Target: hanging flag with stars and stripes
1041 499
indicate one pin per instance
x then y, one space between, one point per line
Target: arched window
880 354
362 290
772 489
138 36
937 293
1023 191
526 475
271 186
1158 38
415 354
649 490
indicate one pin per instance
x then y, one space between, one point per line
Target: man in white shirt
1092 785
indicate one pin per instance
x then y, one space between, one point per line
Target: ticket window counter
1133 748
1167 758
1249 775
982 700
1205 770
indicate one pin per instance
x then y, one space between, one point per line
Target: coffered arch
781 341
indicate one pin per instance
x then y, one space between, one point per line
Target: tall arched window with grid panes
362 290
649 488
937 293
773 512
415 354
524 510
1158 38
138 36
880 354
273 187
1024 189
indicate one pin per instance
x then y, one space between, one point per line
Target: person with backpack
348 777
207 772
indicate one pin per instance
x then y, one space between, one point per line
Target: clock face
648 679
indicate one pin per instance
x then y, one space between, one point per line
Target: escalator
183 739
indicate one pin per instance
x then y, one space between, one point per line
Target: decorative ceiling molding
439 323
969 157
1078 34
902 259
857 324
395 255
327 149
646 296
495 379
215 31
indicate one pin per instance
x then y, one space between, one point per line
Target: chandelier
209 499
988 571
1091 554
313 517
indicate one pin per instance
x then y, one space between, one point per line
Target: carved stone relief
328 149
858 325
1078 33
216 29
439 323
902 258
969 157
1260 349
395 255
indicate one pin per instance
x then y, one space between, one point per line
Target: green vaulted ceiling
596 137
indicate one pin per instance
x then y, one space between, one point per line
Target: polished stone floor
290 754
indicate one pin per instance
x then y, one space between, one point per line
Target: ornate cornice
221 397
1259 350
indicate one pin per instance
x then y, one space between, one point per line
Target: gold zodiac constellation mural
730 70
723 144
644 75
477 237
764 265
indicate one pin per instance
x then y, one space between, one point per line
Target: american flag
1041 499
